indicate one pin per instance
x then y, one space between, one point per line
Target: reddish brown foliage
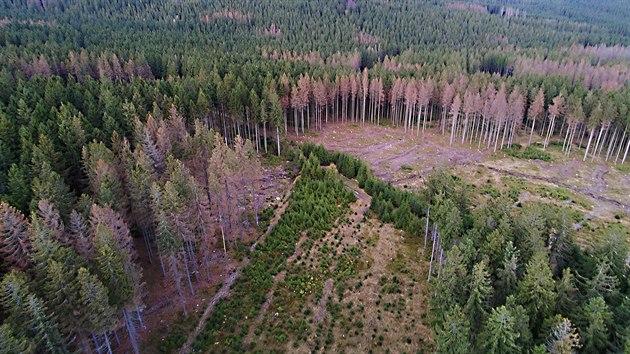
15 242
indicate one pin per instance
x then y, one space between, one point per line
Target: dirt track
388 150
225 289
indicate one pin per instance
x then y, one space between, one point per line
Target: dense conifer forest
160 191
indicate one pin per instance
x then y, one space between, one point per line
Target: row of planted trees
505 278
75 278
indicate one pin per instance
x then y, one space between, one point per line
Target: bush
530 153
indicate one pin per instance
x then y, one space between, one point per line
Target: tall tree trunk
625 154
265 135
611 143
588 145
97 345
454 122
192 290
465 128
426 230
531 132
132 331
178 284
432 252
278 139
623 138
108 344
86 348
257 139
603 142
601 130
582 135
228 200
147 242
505 132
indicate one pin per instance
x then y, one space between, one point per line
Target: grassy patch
406 168
177 334
625 168
561 194
529 153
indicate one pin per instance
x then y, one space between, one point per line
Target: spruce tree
595 329
13 296
508 277
450 289
61 294
536 291
453 335
481 290
11 342
499 335
568 294
95 315
563 337
43 326
15 240
50 186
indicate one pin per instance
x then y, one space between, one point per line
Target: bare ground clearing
404 159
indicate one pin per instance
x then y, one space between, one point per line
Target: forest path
225 289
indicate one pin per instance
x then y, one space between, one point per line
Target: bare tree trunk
86 348
257 139
97 345
465 128
623 137
109 346
552 125
265 135
588 145
426 230
228 200
192 290
505 132
453 123
611 143
601 130
132 331
223 236
475 129
625 154
531 132
278 139
440 268
564 141
147 242
178 284
571 137
582 135
432 252
603 142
